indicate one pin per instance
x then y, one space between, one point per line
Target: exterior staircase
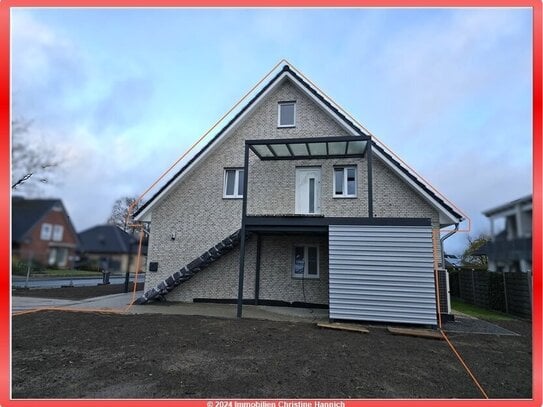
186 273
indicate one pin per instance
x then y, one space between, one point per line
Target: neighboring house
112 245
510 249
41 230
293 202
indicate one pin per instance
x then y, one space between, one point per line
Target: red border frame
5 200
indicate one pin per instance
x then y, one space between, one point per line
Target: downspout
441 240
452 232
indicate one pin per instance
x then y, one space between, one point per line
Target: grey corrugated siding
382 273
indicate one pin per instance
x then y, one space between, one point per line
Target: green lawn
477 312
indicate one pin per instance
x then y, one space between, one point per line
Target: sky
121 93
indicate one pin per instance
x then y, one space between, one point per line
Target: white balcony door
308 190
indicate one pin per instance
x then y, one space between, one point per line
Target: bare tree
119 213
32 163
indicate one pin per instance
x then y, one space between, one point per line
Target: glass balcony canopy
309 148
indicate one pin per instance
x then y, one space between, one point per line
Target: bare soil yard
85 355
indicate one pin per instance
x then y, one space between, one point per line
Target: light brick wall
280 176
276 281
196 211
220 280
395 198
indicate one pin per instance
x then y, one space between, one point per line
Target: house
111 244
42 231
510 248
293 202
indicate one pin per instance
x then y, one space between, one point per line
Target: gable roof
451 214
285 71
26 213
107 239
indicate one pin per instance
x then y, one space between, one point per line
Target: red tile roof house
291 202
42 231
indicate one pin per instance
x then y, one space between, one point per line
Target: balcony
508 250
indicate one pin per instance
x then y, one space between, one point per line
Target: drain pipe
441 240
452 232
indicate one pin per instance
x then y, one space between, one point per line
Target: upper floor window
345 182
58 231
233 183
46 230
287 114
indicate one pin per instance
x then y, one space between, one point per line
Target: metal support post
242 231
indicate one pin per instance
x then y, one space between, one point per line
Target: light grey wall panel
382 273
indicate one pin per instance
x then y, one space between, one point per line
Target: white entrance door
308 190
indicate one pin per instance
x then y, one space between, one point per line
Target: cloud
93 121
423 70
47 68
95 176
124 105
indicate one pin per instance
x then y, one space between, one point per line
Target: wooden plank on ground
343 327
422 333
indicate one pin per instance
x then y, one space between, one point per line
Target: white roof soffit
446 218
144 215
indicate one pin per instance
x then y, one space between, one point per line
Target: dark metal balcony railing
509 250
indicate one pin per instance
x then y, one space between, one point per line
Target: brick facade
39 249
197 213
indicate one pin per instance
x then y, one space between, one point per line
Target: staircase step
194 264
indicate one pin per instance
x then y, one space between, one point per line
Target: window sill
232 197
344 196
287 126
306 278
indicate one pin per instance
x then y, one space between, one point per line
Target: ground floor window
58 256
305 262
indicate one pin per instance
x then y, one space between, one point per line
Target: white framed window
345 180
286 114
233 183
58 256
46 230
58 231
305 261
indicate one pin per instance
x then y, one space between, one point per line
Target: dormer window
58 232
287 114
46 230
